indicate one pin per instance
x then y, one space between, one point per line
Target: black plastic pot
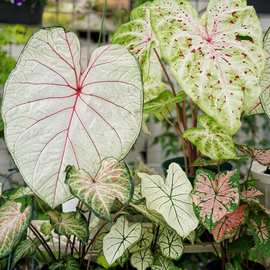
261 6
181 161
29 14
248 265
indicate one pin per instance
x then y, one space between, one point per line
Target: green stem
102 22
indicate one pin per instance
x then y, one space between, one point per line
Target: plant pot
263 181
30 14
261 6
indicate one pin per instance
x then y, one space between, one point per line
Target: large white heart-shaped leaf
13 224
211 140
216 59
139 37
57 113
120 238
99 191
171 198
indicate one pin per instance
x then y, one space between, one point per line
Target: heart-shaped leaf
162 263
171 198
217 59
260 155
228 226
260 227
138 36
145 239
142 259
263 104
170 244
100 190
215 196
120 238
69 224
25 248
58 114
211 140
13 224
251 194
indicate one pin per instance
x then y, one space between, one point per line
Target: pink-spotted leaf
215 196
217 59
229 224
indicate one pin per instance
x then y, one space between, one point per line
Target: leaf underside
56 113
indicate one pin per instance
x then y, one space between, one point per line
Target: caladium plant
69 127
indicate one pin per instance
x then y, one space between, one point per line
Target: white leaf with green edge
170 244
145 239
100 190
217 59
142 259
265 78
211 140
138 36
25 248
171 198
162 263
13 224
80 116
121 236
70 224
162 105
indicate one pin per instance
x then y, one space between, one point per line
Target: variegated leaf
251 194
138 36
215 196
79 115
17 193
170 244
265 78
162 263
99 191
211 140
217 59
171 198
260 155
228 226
142 259
70 224
25 248
67 264
121 236
13 223
145 239
260 227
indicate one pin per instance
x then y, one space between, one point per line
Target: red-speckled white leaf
216 59
57 113
215 196
228 225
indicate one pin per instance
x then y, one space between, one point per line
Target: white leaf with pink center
217 59
56 113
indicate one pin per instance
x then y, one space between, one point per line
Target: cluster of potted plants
69 128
